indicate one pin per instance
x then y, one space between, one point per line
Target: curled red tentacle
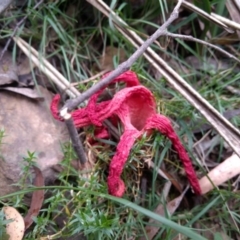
116 186
163 125
54 107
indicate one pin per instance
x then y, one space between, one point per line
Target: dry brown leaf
27 92
8 70
173 180
106 61
24 66
14 229
37 198
171 207
13 74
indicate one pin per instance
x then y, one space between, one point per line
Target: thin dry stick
123 67
210 17
19 24
227 21
46 67
91 78
76 142
191 38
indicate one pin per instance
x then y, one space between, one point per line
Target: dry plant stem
125 65
191 38
46 67
17 27
227 21
207 16
91 78
233 90
76 142
220 174
229 114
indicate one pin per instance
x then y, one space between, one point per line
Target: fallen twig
220 174
191 38
76 142
46 67
211 17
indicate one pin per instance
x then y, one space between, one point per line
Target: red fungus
135 107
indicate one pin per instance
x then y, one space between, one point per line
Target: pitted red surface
136 109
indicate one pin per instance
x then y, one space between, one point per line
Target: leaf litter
37 199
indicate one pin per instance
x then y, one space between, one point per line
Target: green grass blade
181 229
